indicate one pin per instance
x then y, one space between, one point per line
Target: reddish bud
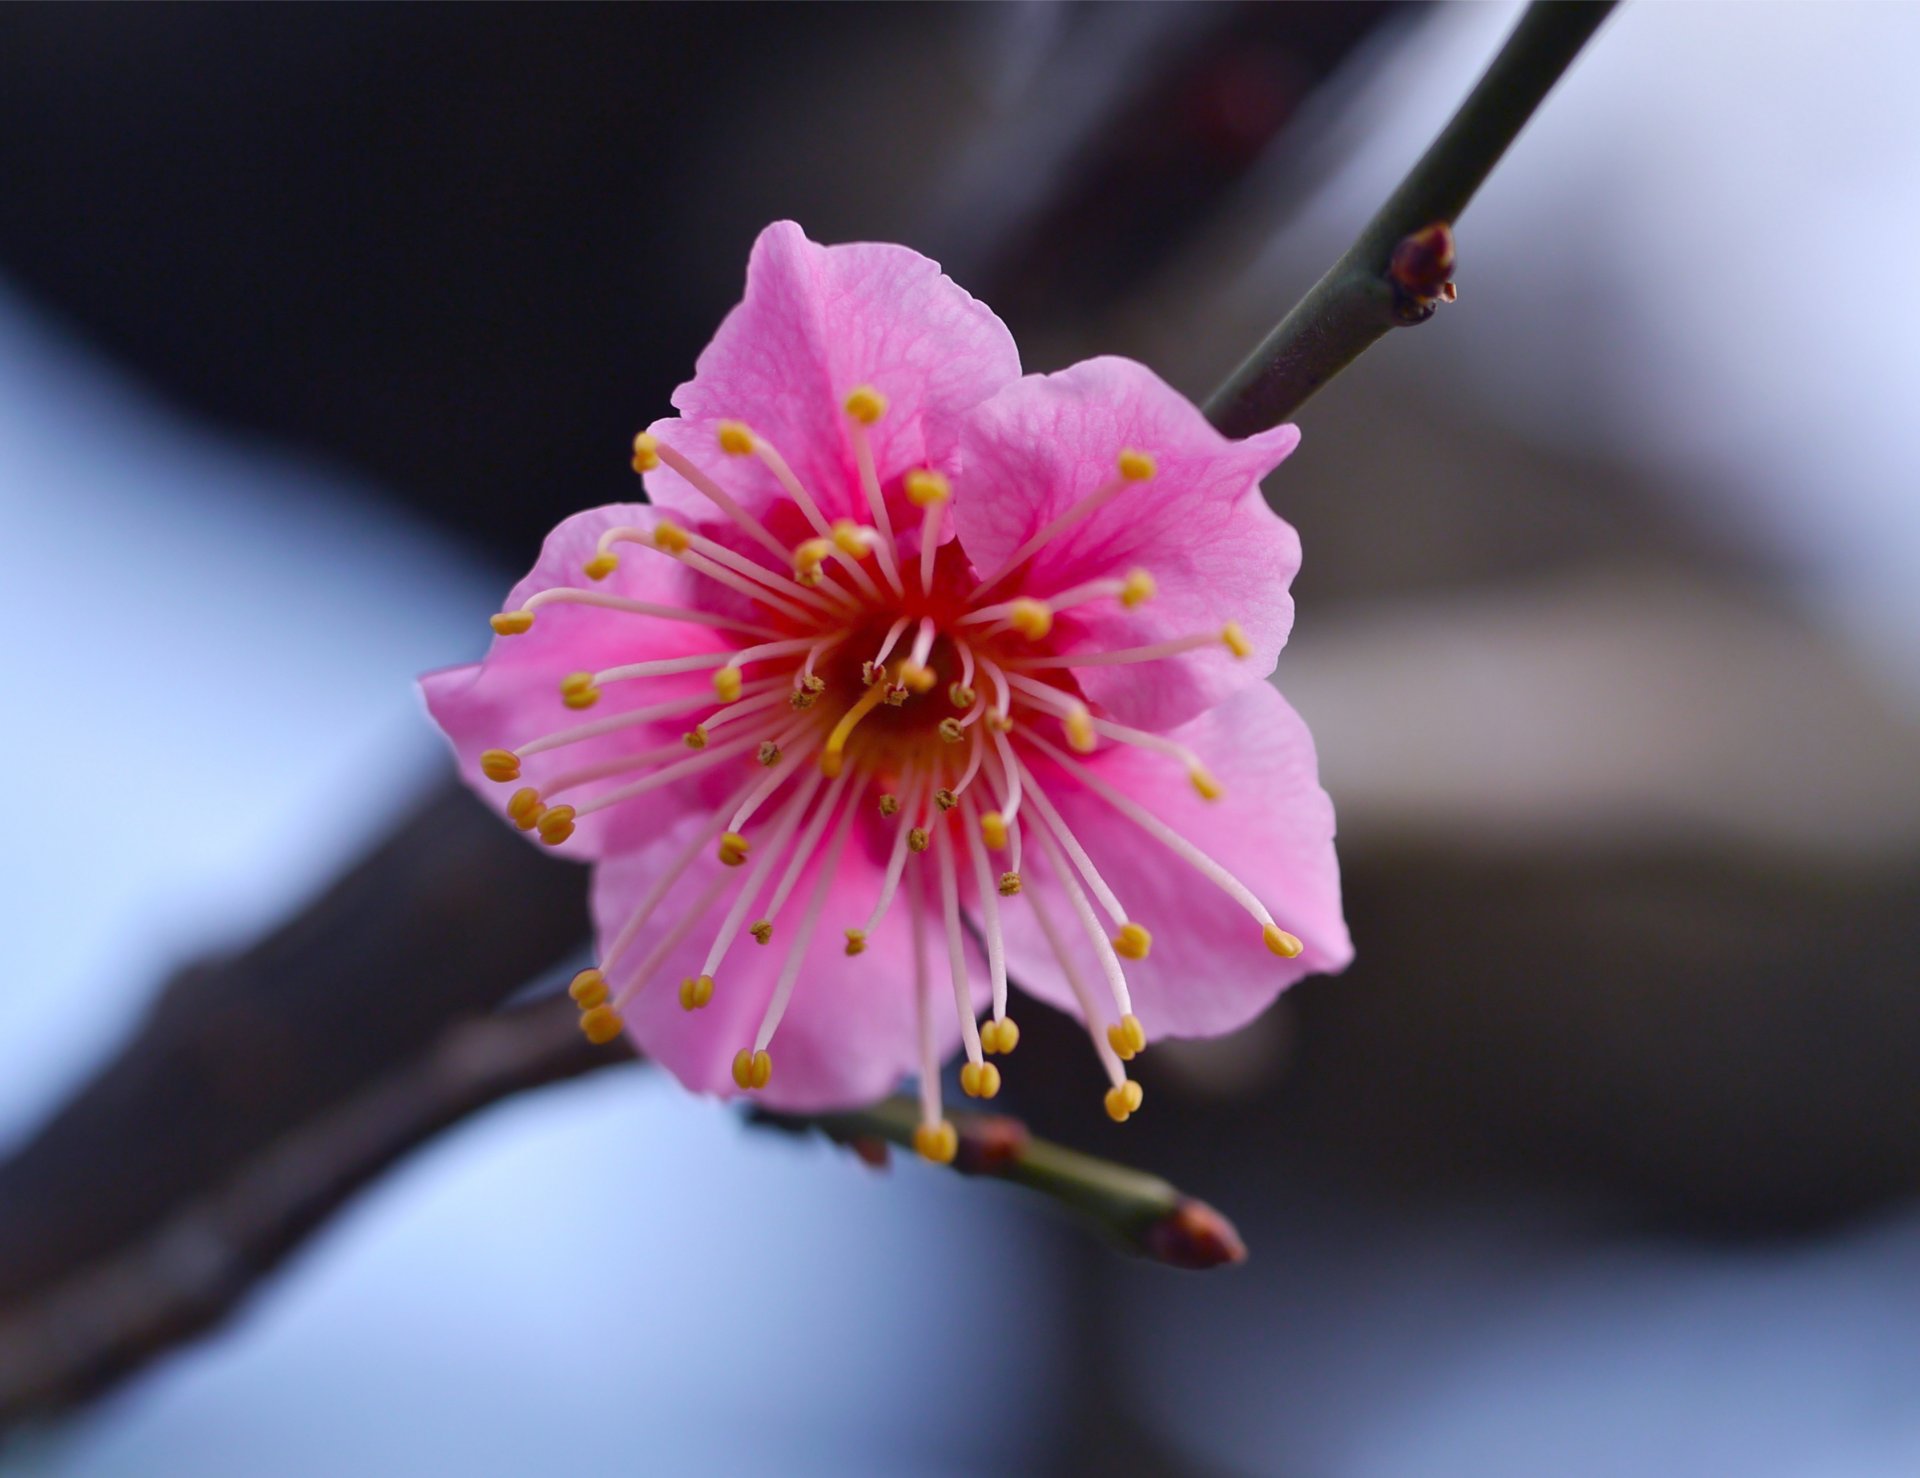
1193 1235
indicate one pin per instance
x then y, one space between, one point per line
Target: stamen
1238 891
809 839
663 884
1083 910
1064 834
773 780
1133 467
720 498
864 407
956 942
784 475
935 1138
894 633
569 595
1229 636
790 972
510 623
500 765
665 667
1058 702
928 490
705 759
989 905
721 564
897 857
683 925
1089 1006
617 765
792 811
594 728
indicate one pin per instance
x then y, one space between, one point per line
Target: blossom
915 674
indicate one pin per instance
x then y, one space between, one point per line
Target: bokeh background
1601 1160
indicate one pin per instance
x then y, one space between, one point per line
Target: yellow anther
945 799
726 684
589 989
989 1037
524 808
555 824
1137 588
671 537
1117 1109
769 753
889 804
1236 640
813 684
960 695
856 941
917 839
695 992
1010 884
999 1037
950 730
993 831
1210 789
577 690
696 737
866 405
849 538
733 848
1032 618
801 698
762 932
511 623
752 1069
601 1024
808 555
1136 466
980 1079
1000 723
735 439
1079 726
1285 945
914 676
1132 943
927 487
1134 1033
500 764
1131 1093
833 752
601 566
937 1142
646 452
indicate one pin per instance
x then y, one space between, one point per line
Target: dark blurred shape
469 250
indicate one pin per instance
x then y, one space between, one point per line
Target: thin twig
1359 300
1139 1213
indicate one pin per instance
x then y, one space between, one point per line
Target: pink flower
916 674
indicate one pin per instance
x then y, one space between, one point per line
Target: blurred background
1603 1157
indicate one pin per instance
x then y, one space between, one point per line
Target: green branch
1140 1213
1397 269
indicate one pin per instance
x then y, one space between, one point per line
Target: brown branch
187 1270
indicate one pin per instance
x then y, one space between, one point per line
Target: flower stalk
1139 1213
1358 300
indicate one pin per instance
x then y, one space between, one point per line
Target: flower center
875 681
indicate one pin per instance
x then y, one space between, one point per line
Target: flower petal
851 1029
1199 526
512 695
1209 969
818 322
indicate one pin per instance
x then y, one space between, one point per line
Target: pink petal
817 322
513 694
1200 527
1209 970
850 1032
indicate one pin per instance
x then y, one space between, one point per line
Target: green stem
1140 1213
1357 301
